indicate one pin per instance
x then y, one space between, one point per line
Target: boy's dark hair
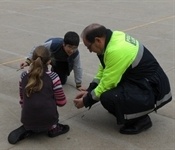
71 38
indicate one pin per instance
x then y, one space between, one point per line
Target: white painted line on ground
12 53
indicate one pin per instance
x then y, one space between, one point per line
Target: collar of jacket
108 37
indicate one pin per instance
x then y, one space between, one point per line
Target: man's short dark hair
92 31
71 38
98 32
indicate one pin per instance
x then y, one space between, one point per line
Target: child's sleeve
58 91
21 90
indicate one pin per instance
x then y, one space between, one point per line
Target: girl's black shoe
18 134
58 130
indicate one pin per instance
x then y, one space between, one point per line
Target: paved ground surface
25 23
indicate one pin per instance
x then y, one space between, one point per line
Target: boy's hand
81 88
23 64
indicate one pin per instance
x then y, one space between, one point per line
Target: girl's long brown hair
41 57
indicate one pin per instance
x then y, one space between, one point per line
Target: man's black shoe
136 126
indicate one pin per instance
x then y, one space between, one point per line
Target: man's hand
78 101
81 94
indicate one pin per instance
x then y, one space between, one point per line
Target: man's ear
97 39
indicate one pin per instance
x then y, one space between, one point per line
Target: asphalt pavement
24 24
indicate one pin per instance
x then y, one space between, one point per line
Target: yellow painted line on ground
9 62
132 28
152 22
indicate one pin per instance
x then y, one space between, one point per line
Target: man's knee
108 103
104 98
